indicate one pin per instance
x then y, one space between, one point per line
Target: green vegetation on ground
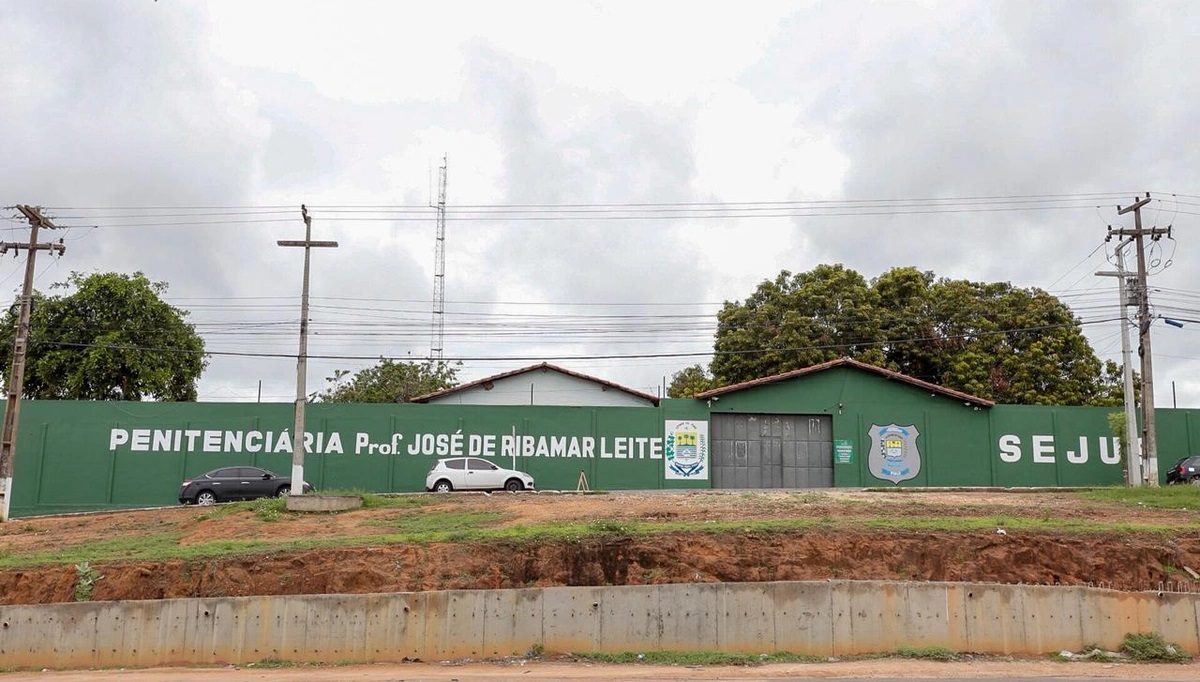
434 526
441 524
1166 497
428 519
85 580
1151 647
932 653
695 658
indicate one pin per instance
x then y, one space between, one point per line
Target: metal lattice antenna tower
439 270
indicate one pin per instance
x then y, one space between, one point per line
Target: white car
473 473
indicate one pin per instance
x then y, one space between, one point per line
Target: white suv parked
473 473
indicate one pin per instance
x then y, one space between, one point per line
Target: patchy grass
269 509
611 527
1010 524
273 508
221 511
930 653
439 526
265 508
696 658
1182 497
274 663
146 546
775 501
427 519
374 501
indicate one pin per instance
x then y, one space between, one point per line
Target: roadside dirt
846 541
985 668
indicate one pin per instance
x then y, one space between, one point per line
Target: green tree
112 338
994 340
1112 386
689 381
797 321
389 381
907 312
1116 422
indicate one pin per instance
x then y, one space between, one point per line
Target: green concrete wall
953 436
963 445
77 456
1067 446
1178 435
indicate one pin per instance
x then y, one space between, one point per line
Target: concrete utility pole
1133 458
1149 440
16 379
302 356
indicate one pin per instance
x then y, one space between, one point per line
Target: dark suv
1186 470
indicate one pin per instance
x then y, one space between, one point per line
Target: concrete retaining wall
822 618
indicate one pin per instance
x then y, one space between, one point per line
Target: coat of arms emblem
894 456
686 449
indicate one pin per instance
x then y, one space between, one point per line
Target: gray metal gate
772 451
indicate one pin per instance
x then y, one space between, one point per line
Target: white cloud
353 105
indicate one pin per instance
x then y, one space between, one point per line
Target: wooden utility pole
1149 440
16 379
302 356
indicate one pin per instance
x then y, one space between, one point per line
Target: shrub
1150 646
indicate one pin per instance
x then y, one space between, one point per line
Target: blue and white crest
894 456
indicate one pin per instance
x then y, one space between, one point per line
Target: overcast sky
134 116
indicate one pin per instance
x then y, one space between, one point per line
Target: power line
281 208
628 216
362 322
607 211
965 335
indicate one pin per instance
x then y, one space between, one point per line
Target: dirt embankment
838 547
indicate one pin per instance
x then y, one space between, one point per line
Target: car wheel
1195 480
284 491
513 485
205 498
442 486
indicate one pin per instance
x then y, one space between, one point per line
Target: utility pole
16 379
302 356
1149 439
1133 458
